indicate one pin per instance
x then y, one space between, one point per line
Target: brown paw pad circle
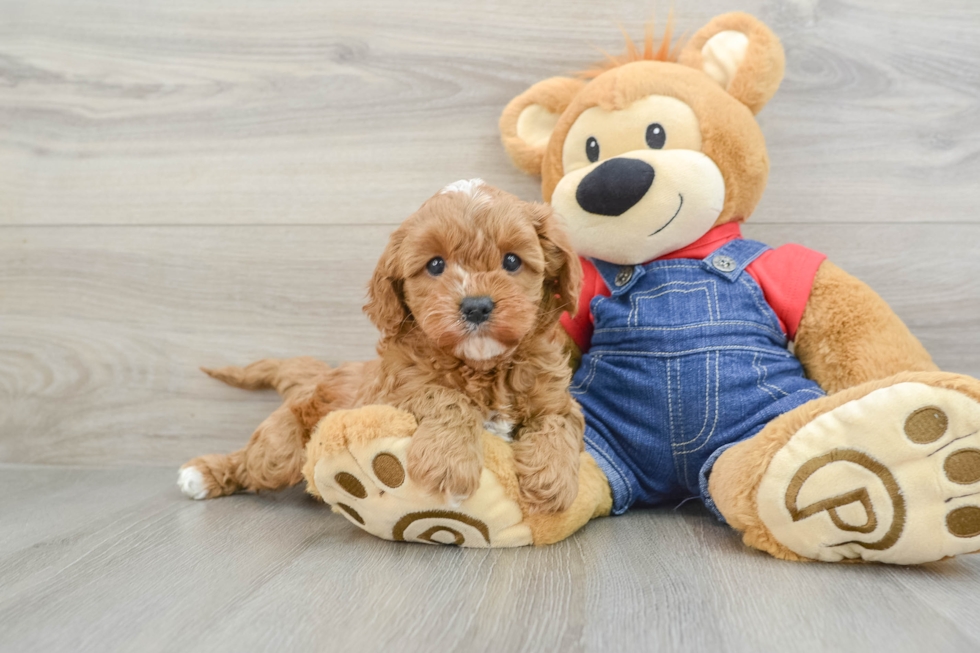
964 522
351 485
963 467
388 469
353 513
926 425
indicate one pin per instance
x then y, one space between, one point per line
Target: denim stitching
670 400
758 377
647 294
815 392
583 387
677 460
714 426
598 300
762 374
765 378
767 310
622 475
620 352
714 291
707 397
754 325
675 267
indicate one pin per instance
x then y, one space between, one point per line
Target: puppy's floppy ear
528 120
739 52
562 269
386 304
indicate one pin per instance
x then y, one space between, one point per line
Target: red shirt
785 275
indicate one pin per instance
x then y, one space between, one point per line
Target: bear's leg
356 461
887 471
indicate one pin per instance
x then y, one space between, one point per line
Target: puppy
467 297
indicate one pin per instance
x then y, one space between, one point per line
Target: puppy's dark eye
512 262
656 136
436 266
592 149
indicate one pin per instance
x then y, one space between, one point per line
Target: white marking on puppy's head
469 187
461 283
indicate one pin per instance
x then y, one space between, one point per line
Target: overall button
624 275
723 263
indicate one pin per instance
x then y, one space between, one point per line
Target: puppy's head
476 270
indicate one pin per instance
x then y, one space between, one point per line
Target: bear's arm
849 335
578 328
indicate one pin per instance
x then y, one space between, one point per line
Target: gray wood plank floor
188 183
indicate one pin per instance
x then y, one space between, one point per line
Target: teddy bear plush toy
853 446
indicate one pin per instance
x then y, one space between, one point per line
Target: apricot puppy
467 297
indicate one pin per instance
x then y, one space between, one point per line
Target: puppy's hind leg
272 460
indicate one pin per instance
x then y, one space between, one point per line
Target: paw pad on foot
964 522
926 425
872 480
367 483
963 467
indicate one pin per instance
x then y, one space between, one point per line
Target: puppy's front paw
442 470
547 484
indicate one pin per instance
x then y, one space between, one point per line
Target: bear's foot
892 476
356 463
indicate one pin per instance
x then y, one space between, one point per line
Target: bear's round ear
743 55
528 120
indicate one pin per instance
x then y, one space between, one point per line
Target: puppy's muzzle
614 186
476 310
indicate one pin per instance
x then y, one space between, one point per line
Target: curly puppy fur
454 375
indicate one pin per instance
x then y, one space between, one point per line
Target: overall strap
729 260
618 278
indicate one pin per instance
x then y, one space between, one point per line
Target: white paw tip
191 482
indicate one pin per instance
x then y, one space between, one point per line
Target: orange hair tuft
663 51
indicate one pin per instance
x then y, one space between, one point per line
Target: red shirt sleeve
580 327
786 275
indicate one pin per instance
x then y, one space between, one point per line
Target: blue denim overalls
686 359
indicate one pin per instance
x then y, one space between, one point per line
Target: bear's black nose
614 186
476 310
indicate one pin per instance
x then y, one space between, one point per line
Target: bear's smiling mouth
679 206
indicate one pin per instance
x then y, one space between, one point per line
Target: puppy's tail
283 374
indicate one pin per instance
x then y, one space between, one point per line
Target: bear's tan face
659 147
636 183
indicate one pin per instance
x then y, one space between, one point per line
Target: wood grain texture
188 183
124 563
263 112
105 327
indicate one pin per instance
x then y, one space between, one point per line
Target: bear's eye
656 136
436 266
592 149
512 262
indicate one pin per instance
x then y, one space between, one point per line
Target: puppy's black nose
476 310
614 186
